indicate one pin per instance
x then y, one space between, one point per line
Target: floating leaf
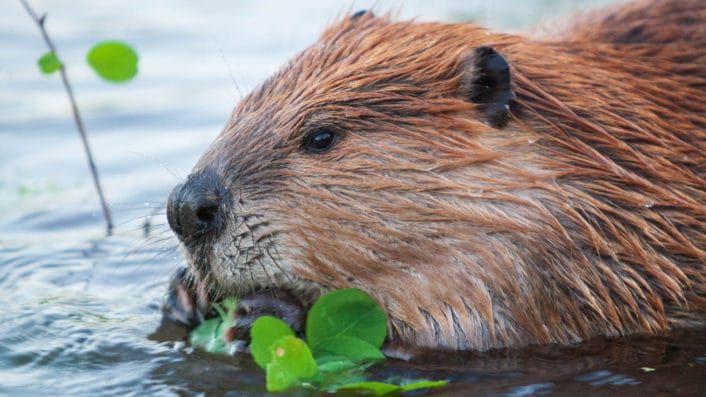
338 371
114 61
382 388
377 388
49 63
647 369
426 384
347 312
264 332
292 365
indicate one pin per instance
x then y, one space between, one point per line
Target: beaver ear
360 13
485 80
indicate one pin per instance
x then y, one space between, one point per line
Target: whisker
260 262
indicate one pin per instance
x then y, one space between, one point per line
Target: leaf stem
77 117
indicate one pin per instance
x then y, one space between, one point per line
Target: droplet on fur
648 204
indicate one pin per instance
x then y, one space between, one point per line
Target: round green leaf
114 61
351 348
49 63
264 332
347 312
292 364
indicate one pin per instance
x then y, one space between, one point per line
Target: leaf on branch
49 63
114 61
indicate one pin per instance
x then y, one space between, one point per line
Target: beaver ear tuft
360 13
486 80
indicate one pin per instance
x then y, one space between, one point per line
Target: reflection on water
78 309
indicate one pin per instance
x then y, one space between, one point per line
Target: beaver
489 190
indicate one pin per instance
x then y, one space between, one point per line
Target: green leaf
352 348
264 332
347 328
426 384
339 371
49 63
347 312
210 334
329 364
114 61
377 388
226 307
647 369
381 388
208 337
226 311
292 365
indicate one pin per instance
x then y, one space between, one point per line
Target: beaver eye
321 141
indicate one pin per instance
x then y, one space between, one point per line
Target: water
79 310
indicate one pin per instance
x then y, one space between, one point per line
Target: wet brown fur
584 216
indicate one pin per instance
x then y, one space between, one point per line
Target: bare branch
77 117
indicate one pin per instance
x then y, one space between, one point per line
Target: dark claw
186 304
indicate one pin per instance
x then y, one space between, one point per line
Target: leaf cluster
344 332
114 61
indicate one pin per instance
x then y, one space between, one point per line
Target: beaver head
411 161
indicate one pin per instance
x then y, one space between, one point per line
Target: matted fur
584 216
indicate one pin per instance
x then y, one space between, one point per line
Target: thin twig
77 117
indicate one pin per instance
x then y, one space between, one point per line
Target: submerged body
489 190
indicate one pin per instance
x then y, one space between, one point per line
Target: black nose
197 208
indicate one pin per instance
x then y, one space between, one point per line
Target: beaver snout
196 209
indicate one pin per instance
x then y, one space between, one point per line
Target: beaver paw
277 304
187 303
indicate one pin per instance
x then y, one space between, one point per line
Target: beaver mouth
223 273
189 302
258 293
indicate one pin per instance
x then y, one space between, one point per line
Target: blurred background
196 59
